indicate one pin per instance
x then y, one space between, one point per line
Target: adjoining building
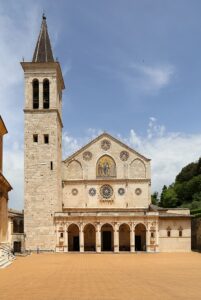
16 230
5 188
99 198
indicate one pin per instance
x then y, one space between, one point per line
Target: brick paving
102 277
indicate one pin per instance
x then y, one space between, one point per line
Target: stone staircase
6 257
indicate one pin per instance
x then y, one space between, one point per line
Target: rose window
121 191
124 155
105 145
106 191
92 192
87 155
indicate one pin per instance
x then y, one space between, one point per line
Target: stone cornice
4 183
102 181
29 67
42 111
3 129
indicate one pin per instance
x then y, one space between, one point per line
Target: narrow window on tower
46 138
35 87
51 165
35 138
46 94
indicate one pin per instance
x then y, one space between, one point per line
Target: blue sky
132 68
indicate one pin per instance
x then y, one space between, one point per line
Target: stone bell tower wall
42 155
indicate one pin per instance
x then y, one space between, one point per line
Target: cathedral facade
99 198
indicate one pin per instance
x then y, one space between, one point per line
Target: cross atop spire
43 51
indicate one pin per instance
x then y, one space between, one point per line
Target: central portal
107 241
107 238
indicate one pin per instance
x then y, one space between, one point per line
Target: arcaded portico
109 231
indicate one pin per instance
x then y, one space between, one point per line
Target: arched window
137 169
74 170
21 226
106 167
46 94
15 226
168 232
35 87
180 231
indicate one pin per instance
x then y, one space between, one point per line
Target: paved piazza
102 276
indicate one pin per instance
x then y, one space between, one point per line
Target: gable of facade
106 165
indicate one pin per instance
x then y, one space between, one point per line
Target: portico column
116 238
157 238
98 238
147 240
81 238
65 238
41 95
132 238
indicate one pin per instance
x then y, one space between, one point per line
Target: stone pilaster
65 239
81 233
98 238
132 238
116 238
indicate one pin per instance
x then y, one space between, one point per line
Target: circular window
121 191
106 191
87 155
74 192
124 155
105 145
138 191
92 192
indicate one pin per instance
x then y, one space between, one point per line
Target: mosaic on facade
106 167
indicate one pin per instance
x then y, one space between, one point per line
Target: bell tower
42 144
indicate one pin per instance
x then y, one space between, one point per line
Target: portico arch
73 238
140 237
124 237
89 238
107 237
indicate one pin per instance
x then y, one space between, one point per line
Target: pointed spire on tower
43 51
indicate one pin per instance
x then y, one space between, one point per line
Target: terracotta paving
102 277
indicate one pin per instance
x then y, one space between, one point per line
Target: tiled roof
43 51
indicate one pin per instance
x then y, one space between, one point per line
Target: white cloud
14 45
72 144
150 79
142 78
169 152
157 77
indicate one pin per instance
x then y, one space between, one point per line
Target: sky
131 68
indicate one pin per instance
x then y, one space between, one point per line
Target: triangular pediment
109 137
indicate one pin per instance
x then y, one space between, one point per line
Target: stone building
16 230
5 188
196 234
99 198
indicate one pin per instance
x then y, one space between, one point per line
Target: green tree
169 198
154 198
187 173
